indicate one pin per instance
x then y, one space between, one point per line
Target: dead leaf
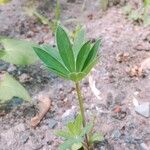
44 106
122 57
95 91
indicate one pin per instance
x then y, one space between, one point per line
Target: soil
116 119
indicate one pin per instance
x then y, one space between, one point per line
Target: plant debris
44 107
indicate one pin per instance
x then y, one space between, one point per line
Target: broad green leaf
92 54
10 88
76 146
72 129
78 124
82 56
86 129
64 134
50 61
78 41
96 137
18 52
68 143
2 53
4 1
65 49
146 3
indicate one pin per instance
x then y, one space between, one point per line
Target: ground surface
124 130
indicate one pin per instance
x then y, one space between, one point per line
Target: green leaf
127 9
53 51
135 15
77 76
86 129
82 56
18 52
2 53
78 41
4 1
76 146
51 62
78 124
65 48
92 54
72 129
64 134
68 143
90 66
147 20
10 88
96 137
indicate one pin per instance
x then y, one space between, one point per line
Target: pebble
129 139
116 134
143 146
11 68
143 109
52 123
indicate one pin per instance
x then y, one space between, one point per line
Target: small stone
143 109
116 134
69 116
129 139
11 68
25 78
143 146
52 123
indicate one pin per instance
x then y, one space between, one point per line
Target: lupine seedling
72 62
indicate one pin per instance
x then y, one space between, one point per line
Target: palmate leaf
9 88
18 52
67 61
51 62
65 49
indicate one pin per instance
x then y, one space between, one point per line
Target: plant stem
80 99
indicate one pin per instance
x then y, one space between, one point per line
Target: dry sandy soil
124 129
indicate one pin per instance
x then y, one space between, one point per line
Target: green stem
80 99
